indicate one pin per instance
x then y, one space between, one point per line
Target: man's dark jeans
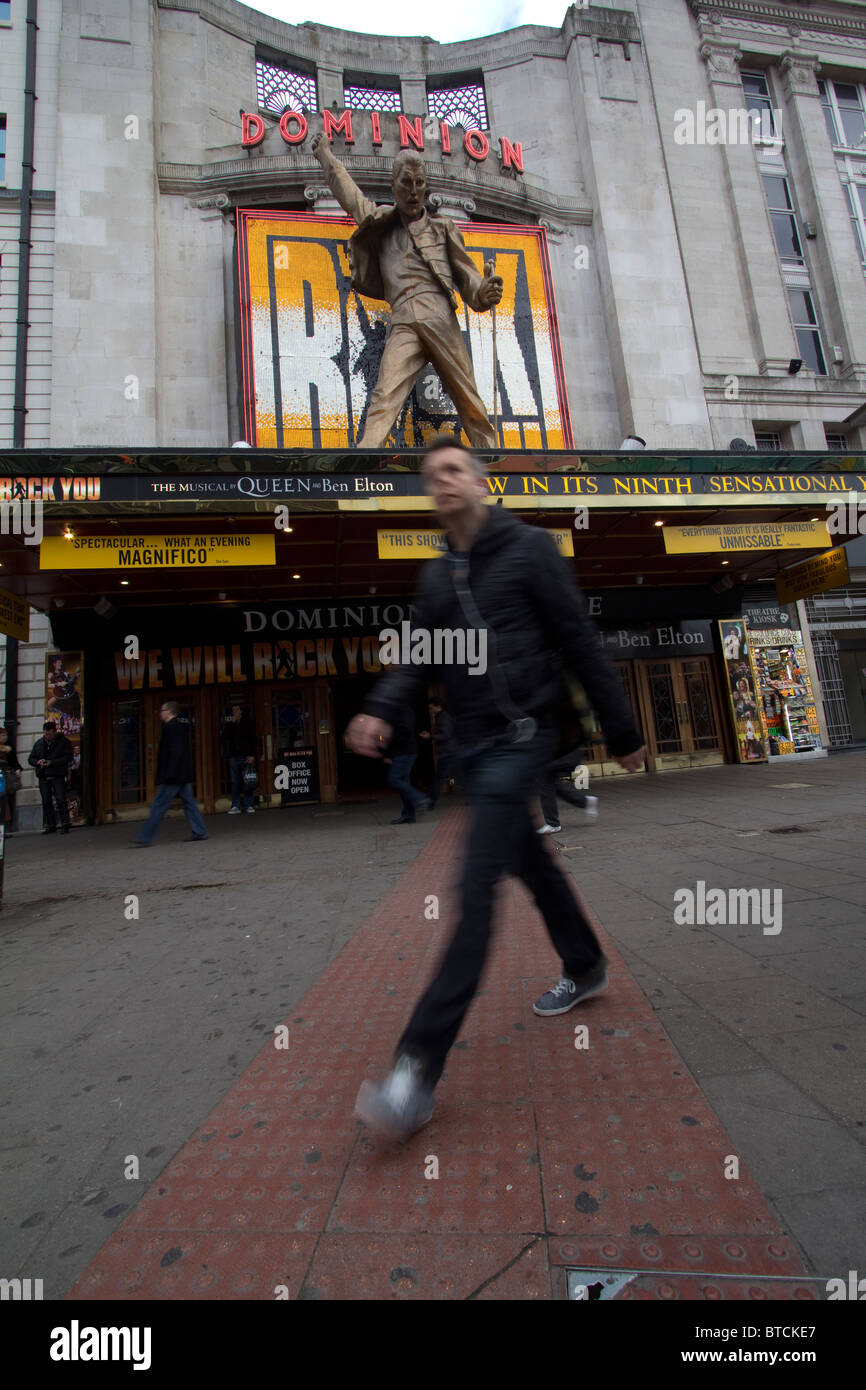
446 768
502 839
398 778
551 785
55 786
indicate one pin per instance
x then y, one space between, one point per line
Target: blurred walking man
496 568
173 777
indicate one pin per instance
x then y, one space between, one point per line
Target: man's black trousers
499 782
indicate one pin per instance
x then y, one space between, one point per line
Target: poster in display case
789 708
742 685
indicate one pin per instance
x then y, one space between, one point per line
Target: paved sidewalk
549 1156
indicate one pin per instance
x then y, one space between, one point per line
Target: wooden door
682 718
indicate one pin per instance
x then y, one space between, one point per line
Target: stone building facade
693 268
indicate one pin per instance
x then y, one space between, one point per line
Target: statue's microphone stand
489 269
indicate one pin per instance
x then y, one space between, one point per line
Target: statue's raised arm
341 184
417 263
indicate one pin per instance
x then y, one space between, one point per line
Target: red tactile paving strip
549 1154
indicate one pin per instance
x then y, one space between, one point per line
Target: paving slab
155 1039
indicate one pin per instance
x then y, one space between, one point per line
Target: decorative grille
459 106
281 87
372 99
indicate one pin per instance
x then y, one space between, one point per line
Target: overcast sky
448 21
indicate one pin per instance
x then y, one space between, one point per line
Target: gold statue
415 262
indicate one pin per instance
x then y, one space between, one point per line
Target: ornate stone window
844 106
281 87
759 102
458 101
364 93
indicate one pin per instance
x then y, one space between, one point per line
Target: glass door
128 761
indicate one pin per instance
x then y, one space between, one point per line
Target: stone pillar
413 92
834 258
643 291
767 298
330 83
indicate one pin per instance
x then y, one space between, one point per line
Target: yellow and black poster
64 706
311 345
746 705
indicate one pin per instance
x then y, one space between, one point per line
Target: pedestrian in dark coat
173 777
51 756
505 586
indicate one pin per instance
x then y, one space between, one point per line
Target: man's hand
633 762
423 734
250 760
490 292
321 148
368 736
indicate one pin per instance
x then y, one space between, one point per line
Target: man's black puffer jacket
527 594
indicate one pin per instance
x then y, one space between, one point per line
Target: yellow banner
422 545
14 616
813 576
751 535
155 552
312 346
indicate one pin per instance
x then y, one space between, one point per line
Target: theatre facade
196 367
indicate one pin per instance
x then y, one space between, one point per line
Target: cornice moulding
798 17
494 195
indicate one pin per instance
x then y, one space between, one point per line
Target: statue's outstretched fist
321 147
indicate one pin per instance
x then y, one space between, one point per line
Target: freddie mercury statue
415 262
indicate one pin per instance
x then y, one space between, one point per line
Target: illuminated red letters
482 151
294 130
332 125
301 132
252 129
512 154
411 131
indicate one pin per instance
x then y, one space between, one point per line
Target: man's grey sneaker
399 1105
234 810
549 829
569 992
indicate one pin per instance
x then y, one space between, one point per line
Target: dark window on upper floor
759 101
363 92
783 218
844 106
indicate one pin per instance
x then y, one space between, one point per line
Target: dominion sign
310 345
